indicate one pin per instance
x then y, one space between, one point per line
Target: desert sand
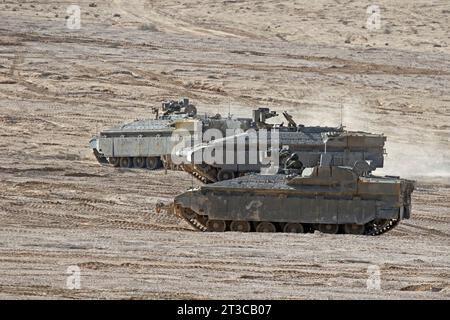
317 60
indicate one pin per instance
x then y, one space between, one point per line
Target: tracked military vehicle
332 199
142 143
148 143
344 147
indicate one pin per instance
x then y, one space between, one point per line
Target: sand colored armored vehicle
308 142
148 143
141 143
332 199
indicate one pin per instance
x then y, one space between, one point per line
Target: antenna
341 114
229 107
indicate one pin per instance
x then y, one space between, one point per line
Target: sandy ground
58 87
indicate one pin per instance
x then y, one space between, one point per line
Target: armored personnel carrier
344 147
141 143
148 143
332 199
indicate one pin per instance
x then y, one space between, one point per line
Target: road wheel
216 225
139 162
352 228
114 161
293 228
125 162
266 227
240 226
329 228
189 214
225 175
152 163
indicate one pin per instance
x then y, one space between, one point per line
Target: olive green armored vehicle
332 199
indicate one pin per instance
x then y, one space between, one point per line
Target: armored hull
331 200
344 148
149 143
140 144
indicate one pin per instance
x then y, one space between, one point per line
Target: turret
260 116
